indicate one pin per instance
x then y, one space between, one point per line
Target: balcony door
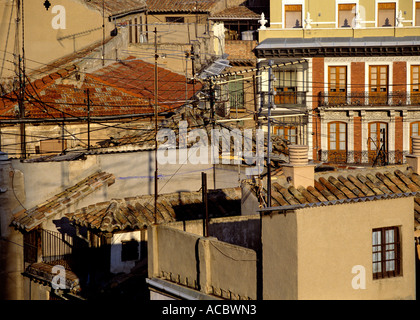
377 142
286 86
337 85
378 85
337 142
415 85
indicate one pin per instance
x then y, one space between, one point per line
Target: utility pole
212 121
103 32
205 203
156 122
270 105
22 85
88 117
193 67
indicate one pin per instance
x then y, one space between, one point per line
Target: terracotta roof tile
120 89
43 272
352 184
137 213
235 13
116 7
180 5
29 219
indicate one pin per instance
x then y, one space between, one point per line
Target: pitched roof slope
136 213
117 7
30 219
123 88
351 184
180 5
138 77
235 13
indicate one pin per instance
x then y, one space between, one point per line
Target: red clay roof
180 5
117 7
238 12
137 77
122 88
31 218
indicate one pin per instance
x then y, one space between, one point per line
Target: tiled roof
136 213
123 88
117 7
234 13
180 5
137 77
43 272
29 219
145 139
351 184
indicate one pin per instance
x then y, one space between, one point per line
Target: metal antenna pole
270 104
156 121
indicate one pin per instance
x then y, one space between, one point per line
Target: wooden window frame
416 17
413 84
386 6
345 7
337 69
412 133
382 249
293 8
337 136
286 132
378 97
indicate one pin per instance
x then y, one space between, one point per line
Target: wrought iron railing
363 157
397 98
286 99
236 101
57 248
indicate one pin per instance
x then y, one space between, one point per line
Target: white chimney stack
299 172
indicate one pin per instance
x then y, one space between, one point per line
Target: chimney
299 172
413 159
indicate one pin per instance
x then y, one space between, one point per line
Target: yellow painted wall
327 243
42 44
324 17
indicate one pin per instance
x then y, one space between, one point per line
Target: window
346 15
337 85
293 16
236 92
287 132
337 142
378 84
175 19
414 131
129 250
386 252
377 140
52 146
417 21
415 86
386 14
286 86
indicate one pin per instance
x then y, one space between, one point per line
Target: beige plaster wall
319 247
205 264
42 41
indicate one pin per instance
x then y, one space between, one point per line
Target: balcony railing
366 99
362 157
290 99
